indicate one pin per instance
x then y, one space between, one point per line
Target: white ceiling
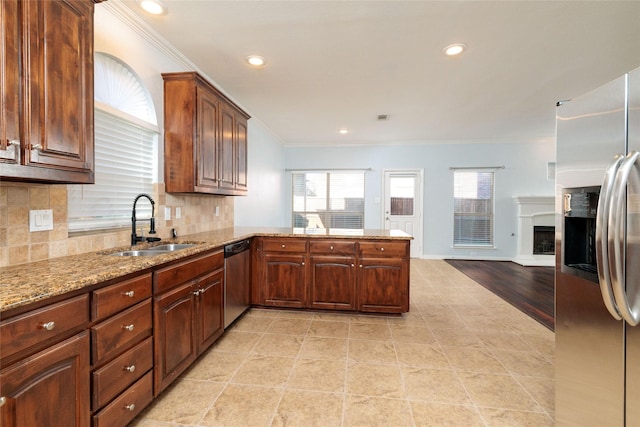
335 64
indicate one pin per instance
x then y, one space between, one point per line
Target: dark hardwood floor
530 289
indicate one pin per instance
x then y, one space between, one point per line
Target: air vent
382 117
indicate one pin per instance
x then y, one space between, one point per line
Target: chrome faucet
152 230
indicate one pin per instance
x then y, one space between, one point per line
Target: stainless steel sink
139 253
155 250
170 247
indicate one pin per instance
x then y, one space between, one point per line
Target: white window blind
328 199
473 208
124 162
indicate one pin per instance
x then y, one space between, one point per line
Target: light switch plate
167 213
178 213
217 210
40 220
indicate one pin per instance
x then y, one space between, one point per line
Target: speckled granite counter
27 283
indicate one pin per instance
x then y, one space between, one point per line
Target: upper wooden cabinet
46 126
205 138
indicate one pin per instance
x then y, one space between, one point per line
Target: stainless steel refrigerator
598 256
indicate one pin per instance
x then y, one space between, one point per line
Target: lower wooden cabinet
341 274
49 388
188 315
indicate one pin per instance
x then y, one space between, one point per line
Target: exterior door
403 205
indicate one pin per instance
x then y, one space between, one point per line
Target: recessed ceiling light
454 49
154 7
344 131
255 60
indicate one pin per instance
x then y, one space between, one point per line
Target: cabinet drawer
44 325
115 335
117 297
284 245
120 373
126 406
332 247
384 249
178 273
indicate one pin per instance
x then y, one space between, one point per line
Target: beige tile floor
460 357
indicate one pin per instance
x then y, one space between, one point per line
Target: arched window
126 134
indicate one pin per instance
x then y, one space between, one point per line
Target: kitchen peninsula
80 319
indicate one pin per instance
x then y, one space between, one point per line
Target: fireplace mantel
533 211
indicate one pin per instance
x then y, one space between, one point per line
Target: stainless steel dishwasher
237 280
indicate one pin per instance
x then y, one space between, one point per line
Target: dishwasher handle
236 248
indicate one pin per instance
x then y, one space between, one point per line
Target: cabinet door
206 140
383 285
174 334
284 280
242 149
58 39
9 83
209 317
50 388
332 283
226 148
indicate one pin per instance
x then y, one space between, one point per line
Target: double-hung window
332 199
473 207
126 135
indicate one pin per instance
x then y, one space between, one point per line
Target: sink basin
155 250
170 247
139 253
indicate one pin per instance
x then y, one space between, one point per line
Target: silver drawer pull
381 249
37 147
129 294
3 400
283 245
131 407
131 368
331 247
196 293
14 142
48 326
352 265
128 327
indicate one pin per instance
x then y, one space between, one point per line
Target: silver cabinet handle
628 300
128 327
48 326
381 249
131 368
129 294
352 265
131 407
283 245
331 247
37 147
3 400
196 293
14 142
602 236
302 262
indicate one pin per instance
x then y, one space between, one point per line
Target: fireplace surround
535 211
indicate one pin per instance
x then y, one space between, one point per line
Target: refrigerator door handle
617 224
602 233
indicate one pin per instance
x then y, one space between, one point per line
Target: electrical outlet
217 210
41 220
178 212
167 213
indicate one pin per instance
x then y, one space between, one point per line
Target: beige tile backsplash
19 246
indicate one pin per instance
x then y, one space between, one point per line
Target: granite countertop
32 282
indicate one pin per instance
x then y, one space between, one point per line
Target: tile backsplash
19 246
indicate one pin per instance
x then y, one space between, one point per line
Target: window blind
328 199
473 208
124 162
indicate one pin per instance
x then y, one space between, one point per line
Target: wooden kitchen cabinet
49 388
332 278
205 138
44 378
47 136
383 277
332 274
188 314
281 273
121 349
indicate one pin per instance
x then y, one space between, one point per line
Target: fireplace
544 240
536 230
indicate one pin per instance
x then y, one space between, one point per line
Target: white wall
525 173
